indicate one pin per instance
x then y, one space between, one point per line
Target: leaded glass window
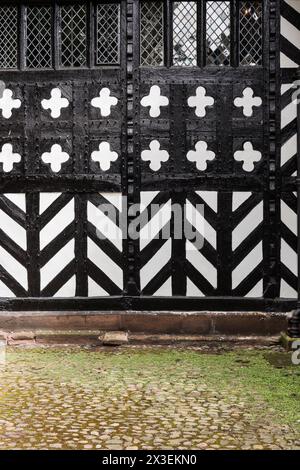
250 33
152 33
73 35
108 33
9 37
39 37
217 33
185 33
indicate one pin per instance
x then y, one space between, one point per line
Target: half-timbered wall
289 61
105 106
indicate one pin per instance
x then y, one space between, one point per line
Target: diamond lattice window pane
152 43
218 33
8 37
73 35
250 33
39 33
108 33
185 33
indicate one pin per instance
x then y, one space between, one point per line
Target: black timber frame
130 180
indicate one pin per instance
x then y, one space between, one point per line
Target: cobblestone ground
147 399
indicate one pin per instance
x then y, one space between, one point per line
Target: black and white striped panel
288 203
290 34
57 244
104 244
155 248
288 159
13 246
289 61
201 263
247 244
158 251
49 267
288 248
201 270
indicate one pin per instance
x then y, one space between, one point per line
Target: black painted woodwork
129 130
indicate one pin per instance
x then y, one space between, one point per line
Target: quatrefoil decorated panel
55 104
248 155
11 98
41 114
12 154
105 101
247 105
201 101
154 103
155 155
170 114
9 158
155 100
248 101
105 108
106 113
201 106
55 155
201 154
105 155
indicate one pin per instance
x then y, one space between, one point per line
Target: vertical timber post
132 246
294 321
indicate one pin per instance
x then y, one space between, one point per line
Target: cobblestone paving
135 399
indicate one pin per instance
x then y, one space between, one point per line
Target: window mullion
55 37
200 38
168 33
199 41
234 43
203 32
22 37
91 34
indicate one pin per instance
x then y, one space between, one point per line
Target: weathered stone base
162 327
114 338
100 338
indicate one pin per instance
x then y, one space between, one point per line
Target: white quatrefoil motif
155 156
200 101
7 103
155 100
201 155
104 156
55 103
8 158
249 156
104 102
248 101
55 158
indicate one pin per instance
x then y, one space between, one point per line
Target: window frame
164 33
23 15
201 51
91 31
95 32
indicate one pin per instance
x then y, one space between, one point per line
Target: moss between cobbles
259 378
